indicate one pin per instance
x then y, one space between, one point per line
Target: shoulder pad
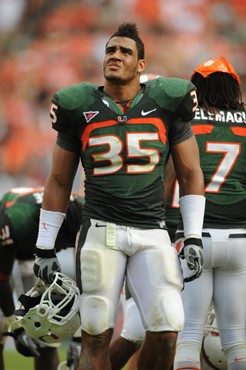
72 97
168 93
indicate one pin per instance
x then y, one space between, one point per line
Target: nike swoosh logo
98 225
147 112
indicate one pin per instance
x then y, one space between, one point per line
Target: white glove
46 264
192 251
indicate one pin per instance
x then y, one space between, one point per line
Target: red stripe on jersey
86 134
202 129
157 122
139 121
240 131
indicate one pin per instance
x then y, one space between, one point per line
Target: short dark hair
130 30
218 91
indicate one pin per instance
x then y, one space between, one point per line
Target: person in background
123 133
219 126
19 219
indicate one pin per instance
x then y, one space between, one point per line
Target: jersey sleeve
180 131
62 123
175 95
188 105
66 113
68 141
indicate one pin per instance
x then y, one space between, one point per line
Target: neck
119 92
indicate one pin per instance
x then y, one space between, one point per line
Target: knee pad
167 313
167 268
187 356
95 315
167 281
236 357
92 270
133 329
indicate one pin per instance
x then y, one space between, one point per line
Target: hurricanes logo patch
89 115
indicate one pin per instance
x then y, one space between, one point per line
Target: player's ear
141 65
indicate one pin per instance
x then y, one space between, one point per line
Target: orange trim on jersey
202 129
10 203
240 131
86 134
157 122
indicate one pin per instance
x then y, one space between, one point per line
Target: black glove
46 264
24 344
192 252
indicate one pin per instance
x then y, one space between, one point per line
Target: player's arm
60 180
55 202
170 177
187 166
192 201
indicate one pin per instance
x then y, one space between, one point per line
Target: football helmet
50 313
211 346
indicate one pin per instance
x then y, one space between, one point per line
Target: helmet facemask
50 313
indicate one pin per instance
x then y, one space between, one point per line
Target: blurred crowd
48 44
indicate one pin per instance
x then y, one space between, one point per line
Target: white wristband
49 225
192 210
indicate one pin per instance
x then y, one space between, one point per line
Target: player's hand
24 344
46 264
192 251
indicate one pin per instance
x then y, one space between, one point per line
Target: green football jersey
19 221
221 139
222 145
124 154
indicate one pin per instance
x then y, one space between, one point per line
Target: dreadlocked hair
218 91
130 30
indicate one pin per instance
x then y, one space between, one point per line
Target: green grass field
15 361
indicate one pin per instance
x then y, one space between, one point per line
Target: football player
123 133
219 126
19 219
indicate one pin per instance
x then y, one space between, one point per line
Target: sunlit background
48 44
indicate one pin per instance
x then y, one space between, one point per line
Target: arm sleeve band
49 225
192 210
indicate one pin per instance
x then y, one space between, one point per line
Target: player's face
121 63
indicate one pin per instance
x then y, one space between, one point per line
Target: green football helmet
50 313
